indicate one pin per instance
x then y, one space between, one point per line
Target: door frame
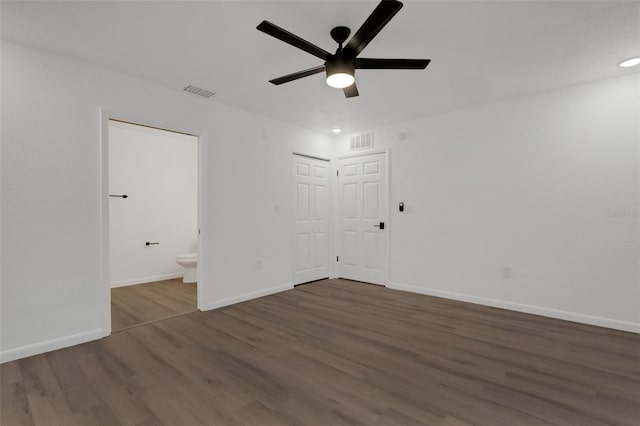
105 116
386 208
330 266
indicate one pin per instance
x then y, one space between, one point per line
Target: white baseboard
247 296
143 280
529 309
50 345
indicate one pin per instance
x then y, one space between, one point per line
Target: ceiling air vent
363 141
199 91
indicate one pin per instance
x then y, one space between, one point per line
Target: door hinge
337 173
337 258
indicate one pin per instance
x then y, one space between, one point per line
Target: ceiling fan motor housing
339 64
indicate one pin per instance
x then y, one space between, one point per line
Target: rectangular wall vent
199 91
363 141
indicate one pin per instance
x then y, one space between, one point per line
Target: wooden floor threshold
152 321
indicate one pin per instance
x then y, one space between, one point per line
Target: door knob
381 225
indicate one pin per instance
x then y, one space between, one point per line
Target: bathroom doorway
153 223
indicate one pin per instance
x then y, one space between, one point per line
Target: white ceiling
481 51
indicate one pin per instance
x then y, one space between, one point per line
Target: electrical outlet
507 272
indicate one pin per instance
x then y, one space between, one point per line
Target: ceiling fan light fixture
340 72
340 80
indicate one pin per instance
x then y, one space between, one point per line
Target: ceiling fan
340 66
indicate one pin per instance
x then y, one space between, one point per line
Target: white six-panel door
311 213
362 204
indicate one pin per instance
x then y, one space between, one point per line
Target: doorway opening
153 223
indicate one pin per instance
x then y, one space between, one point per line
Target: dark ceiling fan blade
296 75
292 39
351 91
380 16
391 64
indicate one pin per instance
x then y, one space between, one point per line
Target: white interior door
362 200
311 211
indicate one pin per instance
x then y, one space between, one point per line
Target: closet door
311 216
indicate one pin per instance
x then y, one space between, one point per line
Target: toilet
189 262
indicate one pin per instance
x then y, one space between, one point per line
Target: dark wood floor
336 353
139 304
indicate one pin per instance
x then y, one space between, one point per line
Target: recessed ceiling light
631 62
336 130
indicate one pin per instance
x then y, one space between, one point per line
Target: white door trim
312 156
104 117
387 210
364 153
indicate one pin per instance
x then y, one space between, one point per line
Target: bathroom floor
143 303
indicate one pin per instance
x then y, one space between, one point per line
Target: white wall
158 170
54 291
524 183
528 183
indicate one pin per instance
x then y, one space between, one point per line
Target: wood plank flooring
336 353
142 303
